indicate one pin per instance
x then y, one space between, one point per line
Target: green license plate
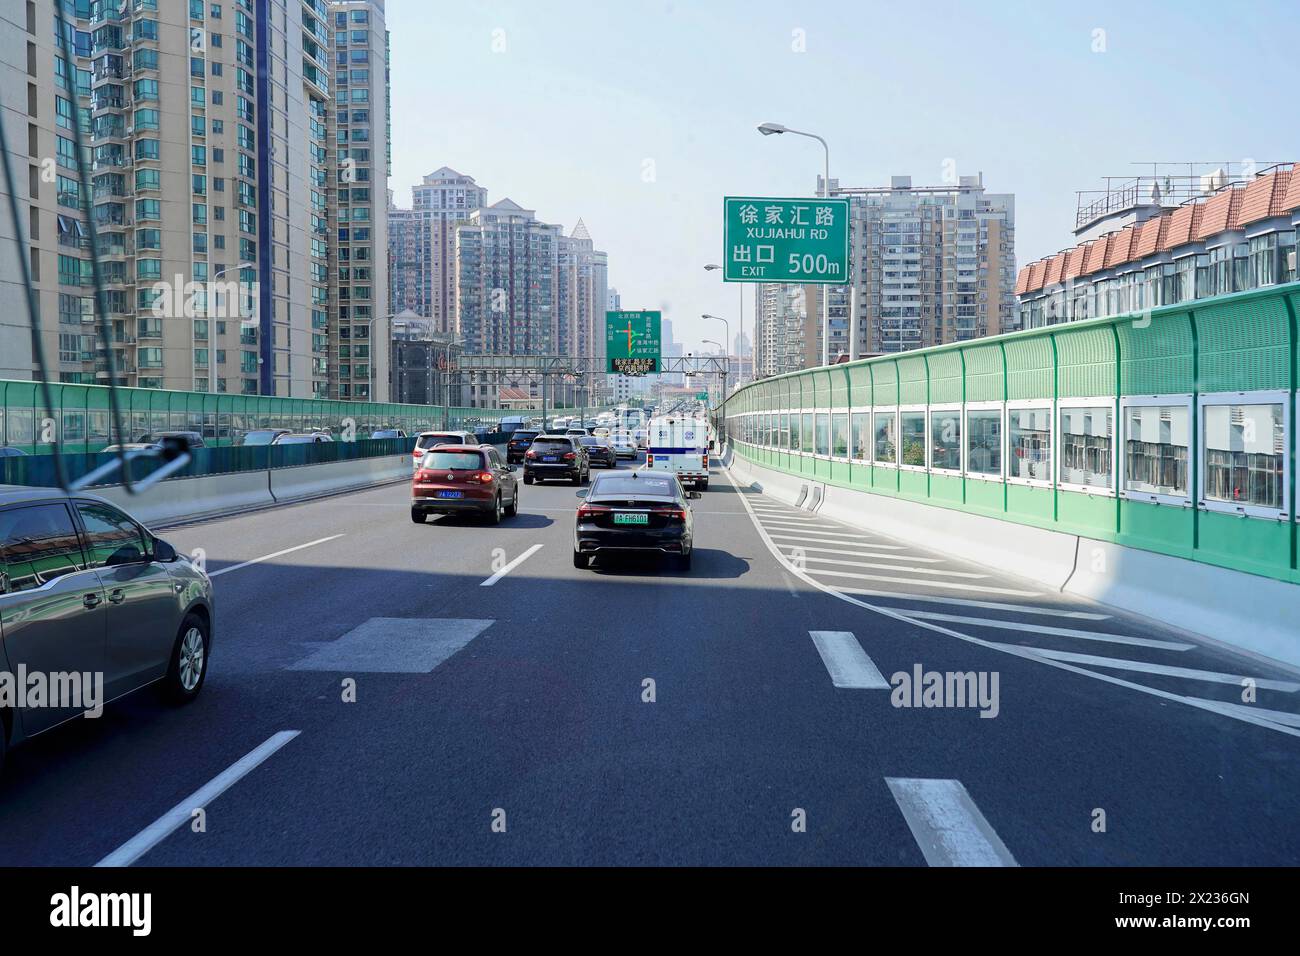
631 519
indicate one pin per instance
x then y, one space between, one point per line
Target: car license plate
451 494
549 458
637 518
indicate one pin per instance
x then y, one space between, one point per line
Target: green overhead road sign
785 240
632 342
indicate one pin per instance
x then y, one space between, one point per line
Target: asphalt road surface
382 692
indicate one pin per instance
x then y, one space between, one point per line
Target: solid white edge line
947 826
847 663
268 557
156 832
510 567
1026 653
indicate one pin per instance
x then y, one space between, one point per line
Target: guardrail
80 420
38 470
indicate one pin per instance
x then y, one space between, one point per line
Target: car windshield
295 439
619 485
523 436
264 437
431 441
452 461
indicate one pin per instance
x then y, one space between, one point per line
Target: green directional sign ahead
632 342
785 240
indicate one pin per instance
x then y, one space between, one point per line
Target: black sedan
600 451
634 512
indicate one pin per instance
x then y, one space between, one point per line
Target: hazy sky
640 116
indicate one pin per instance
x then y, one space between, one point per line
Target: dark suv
600 451
518 444
556 456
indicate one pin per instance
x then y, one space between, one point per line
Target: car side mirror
581 492
695 494
162 551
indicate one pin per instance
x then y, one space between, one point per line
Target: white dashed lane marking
846 661
947 826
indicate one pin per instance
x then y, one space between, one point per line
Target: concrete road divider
185 498
309 481
188 499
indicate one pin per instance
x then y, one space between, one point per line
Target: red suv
451 479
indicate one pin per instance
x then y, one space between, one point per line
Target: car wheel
684 561
581 560
577 478
512 509
189 664
494 516
417 516
528 479
704 485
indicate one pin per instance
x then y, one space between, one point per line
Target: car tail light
531 454
484 476
422 475
587 511
570 456
649 459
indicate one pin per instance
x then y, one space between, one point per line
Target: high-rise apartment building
47 192
422 246
582 290
206 134
506 262
783 329
931 264
360 320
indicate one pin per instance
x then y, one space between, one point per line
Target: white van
680 445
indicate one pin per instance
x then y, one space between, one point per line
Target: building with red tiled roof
1121 247
1228 237
1095 257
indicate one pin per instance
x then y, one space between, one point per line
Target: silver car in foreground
91 601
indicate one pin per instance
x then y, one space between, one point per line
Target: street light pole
725 360
207 300
769 129
753 346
